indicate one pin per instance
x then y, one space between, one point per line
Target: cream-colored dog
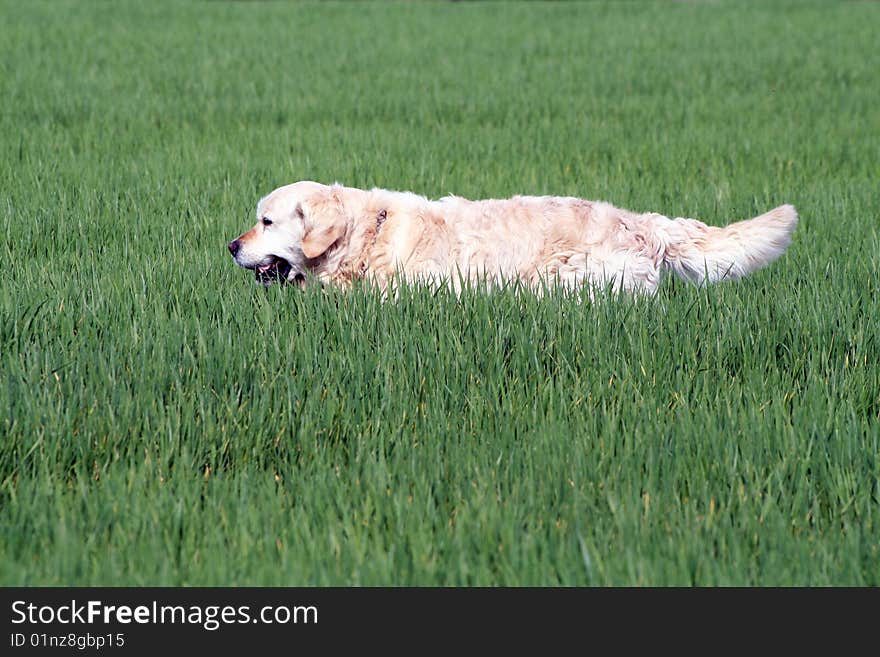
341 234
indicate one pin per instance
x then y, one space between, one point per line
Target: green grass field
165 421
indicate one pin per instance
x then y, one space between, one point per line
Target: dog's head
296 227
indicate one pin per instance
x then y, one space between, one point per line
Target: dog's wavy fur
341 234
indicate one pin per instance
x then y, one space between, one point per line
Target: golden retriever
340 234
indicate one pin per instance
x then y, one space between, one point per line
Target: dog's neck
355 257
364 265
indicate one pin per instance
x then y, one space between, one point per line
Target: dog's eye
266 221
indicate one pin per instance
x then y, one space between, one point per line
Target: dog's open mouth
277 270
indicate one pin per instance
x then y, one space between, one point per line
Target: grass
164 421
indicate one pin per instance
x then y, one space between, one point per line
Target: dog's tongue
264 267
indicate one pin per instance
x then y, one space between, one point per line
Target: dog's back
546 239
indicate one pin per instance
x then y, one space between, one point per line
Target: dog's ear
320 238
327 219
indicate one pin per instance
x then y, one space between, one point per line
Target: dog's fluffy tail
700 253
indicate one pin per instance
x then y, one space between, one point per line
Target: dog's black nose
234 245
